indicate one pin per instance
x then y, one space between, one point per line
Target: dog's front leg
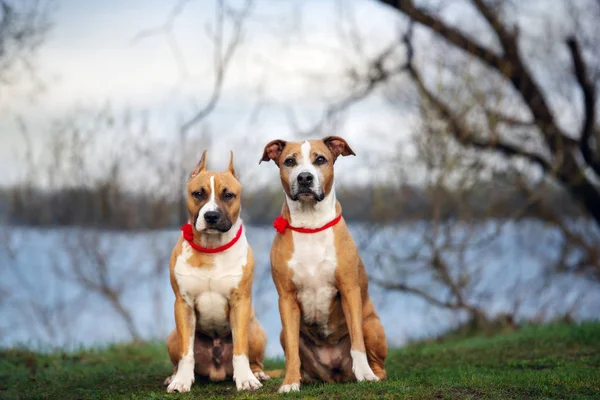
352 306
185 322
290 322
240 321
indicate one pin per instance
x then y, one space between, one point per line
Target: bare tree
572 160
522 103
24 25
445 253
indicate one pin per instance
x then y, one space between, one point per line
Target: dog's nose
305 178
212 216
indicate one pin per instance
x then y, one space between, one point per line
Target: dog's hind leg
257 340
375 345
174 349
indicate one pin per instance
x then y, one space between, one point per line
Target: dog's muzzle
304 188
216 220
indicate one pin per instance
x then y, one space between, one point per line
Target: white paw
242 374
261 376
181 382
368 376
360 367
294 387
250 383
168 380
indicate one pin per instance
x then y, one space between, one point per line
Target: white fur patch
294 387
242 374
210 206
314 261
208 288
212 317
360 367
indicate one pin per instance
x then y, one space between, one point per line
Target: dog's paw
261 376
368 376
168 380
246 380
360 367
242 374
250 383
293 387
180 382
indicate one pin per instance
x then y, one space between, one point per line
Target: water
51 278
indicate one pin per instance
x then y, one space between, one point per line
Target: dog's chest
208 288
314 261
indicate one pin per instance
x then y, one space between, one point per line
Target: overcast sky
291 56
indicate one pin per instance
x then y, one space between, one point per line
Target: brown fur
353 322
213 355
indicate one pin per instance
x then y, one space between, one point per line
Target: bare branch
222 55
565 165
222 60
24 25
377 73
507 39
461 132
508 65
502 118
588 90
450 34
403 287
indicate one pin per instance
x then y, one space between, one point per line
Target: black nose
305 178
212 216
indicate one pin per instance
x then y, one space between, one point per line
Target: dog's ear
338 146
273 150
201 166
231 168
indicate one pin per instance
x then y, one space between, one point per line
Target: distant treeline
114 209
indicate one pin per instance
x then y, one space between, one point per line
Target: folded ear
273 150
338 146
201 166
230 168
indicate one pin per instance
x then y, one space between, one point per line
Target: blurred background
474 196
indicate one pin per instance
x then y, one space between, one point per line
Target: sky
292 63
292 58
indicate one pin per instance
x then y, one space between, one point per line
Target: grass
556 361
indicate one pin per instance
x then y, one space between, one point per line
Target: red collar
281 224
188 234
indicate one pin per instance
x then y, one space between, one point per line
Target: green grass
556 361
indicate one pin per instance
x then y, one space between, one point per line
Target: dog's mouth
217 228
306 194
222 225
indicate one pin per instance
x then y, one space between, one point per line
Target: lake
51 279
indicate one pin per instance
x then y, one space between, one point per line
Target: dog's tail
275 373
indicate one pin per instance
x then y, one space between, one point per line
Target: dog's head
306 168
213 198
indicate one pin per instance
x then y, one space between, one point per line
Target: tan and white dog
212 266
330 330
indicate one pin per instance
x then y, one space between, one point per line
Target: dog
212 266
330 330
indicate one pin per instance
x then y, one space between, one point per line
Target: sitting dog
330 331
212 268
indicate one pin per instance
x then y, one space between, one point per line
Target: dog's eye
228 196
199 194
320 160
290 162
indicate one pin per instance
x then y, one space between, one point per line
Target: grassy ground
557 361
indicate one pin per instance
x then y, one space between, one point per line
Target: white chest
314 261
208 289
